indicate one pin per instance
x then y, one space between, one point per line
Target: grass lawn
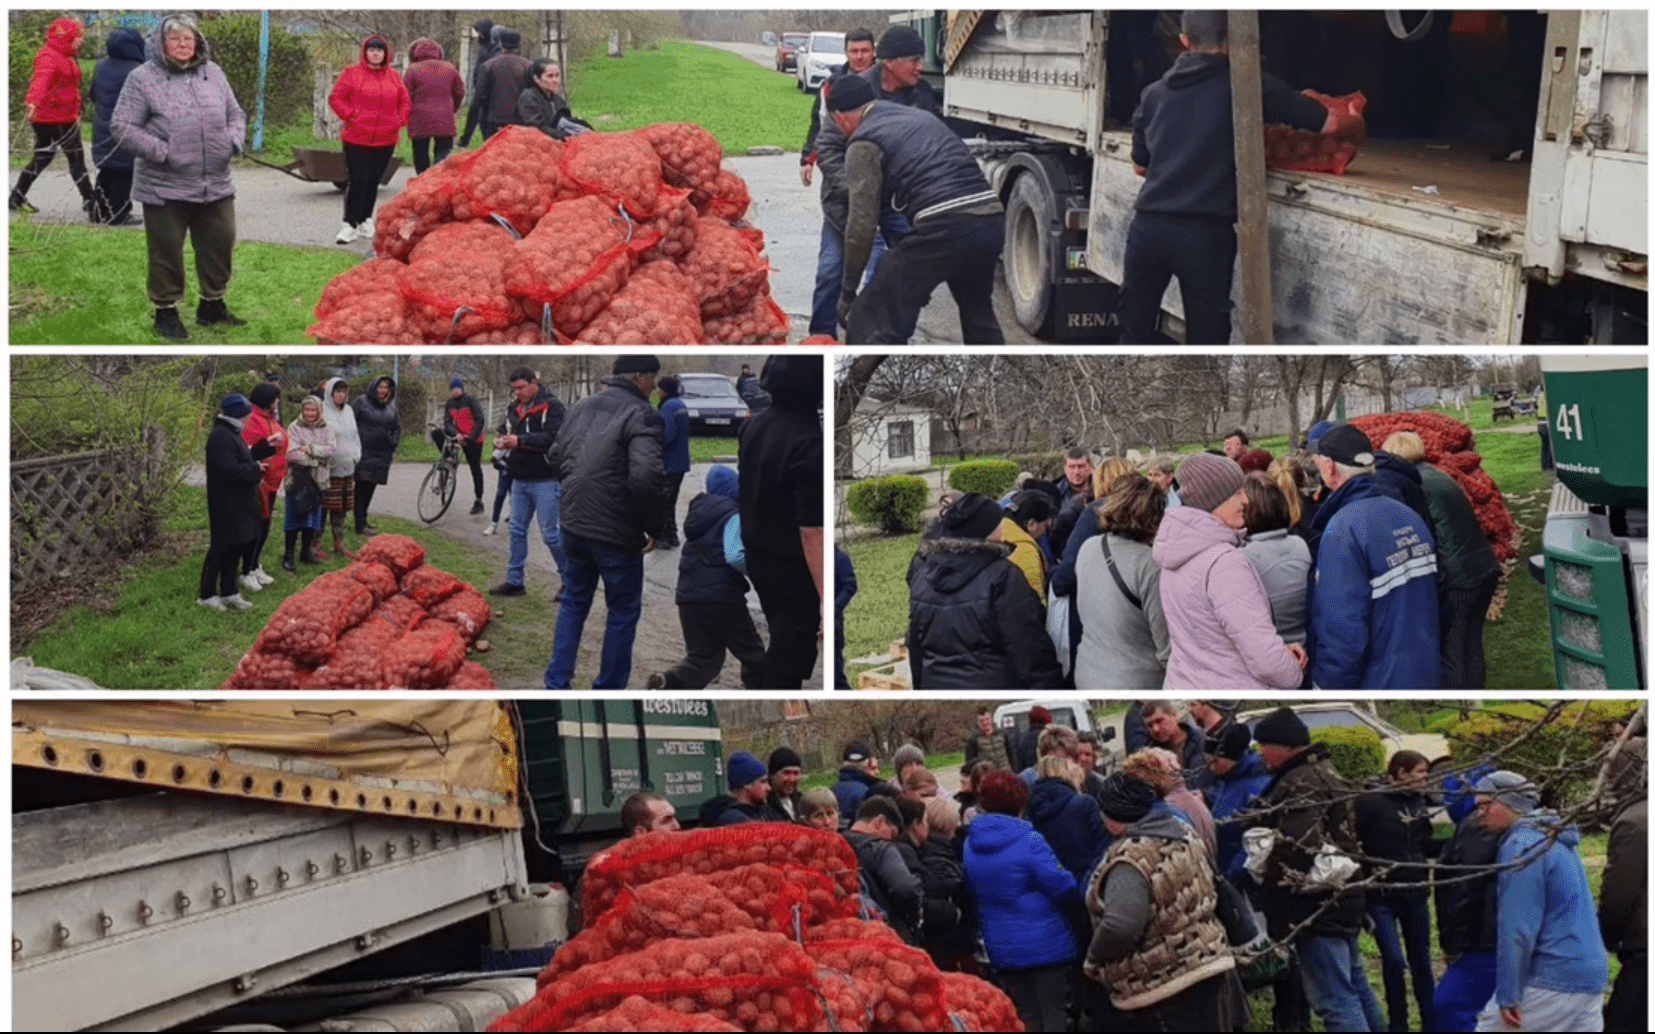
737 101
879 611
78 285
147 632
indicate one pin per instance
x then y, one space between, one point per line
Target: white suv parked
817 59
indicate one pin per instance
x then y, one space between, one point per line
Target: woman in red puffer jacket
52 106
373 102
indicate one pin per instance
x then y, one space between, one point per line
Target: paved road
660 643
277 209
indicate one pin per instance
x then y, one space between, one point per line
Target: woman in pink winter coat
437 91
1217 611
373 102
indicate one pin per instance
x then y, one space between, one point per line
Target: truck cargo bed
1463 178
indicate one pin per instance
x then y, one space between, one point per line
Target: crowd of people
166 125
1219 861
601 478
1340 565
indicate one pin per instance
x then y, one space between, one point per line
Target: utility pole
1252 201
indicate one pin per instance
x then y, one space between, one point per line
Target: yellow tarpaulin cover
430 758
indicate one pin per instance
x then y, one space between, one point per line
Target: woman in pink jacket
1217 612
373 102
437 90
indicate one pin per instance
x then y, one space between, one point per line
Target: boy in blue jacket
1551 967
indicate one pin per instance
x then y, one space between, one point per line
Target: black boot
168 325
216 314
287 563
16 203
307 554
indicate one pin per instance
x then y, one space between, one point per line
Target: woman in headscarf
340 497
310 445
373 102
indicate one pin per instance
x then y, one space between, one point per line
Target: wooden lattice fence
73 512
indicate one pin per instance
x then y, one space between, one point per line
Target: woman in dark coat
973 621
233 522
114 186
541 104
437 91
380 429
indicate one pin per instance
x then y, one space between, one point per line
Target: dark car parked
787 51
714 406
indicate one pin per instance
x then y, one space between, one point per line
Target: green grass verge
77 285
879 611
740 103
147 632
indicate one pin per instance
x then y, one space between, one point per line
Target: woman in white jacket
340 497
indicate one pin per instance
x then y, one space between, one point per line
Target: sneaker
492 528
213 603
250 583
237 601
508 589
476 508
168 325
656 681
264 579
216 314
347 233
366 230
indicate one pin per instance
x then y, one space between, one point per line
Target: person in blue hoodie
1373 599
113 193
1239 776
858 773
1024 900
675 457
1068 819
1551 967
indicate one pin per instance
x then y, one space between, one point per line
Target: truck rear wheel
1032 254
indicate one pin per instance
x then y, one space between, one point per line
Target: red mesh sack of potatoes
426 203
640 1014
425 658
455 282
976 1004
472 676
517 334
678 906
844 1005
786 899
356 662
517 176
725 269
400 614
656 307
374 318
900 984
653 856
850 928
1449 447
259 669
730 199
1299 150
675 221
307 625
576 259
690 156
467 610
398 552
760 322
379 578
620 167
371 277
756 981
428 586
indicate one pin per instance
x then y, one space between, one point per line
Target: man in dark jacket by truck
903 159
1183 144
608 455
532 424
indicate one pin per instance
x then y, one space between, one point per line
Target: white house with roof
889 438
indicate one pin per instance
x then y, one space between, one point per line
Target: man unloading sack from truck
899 158
1183 145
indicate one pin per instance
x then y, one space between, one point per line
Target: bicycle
436 492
